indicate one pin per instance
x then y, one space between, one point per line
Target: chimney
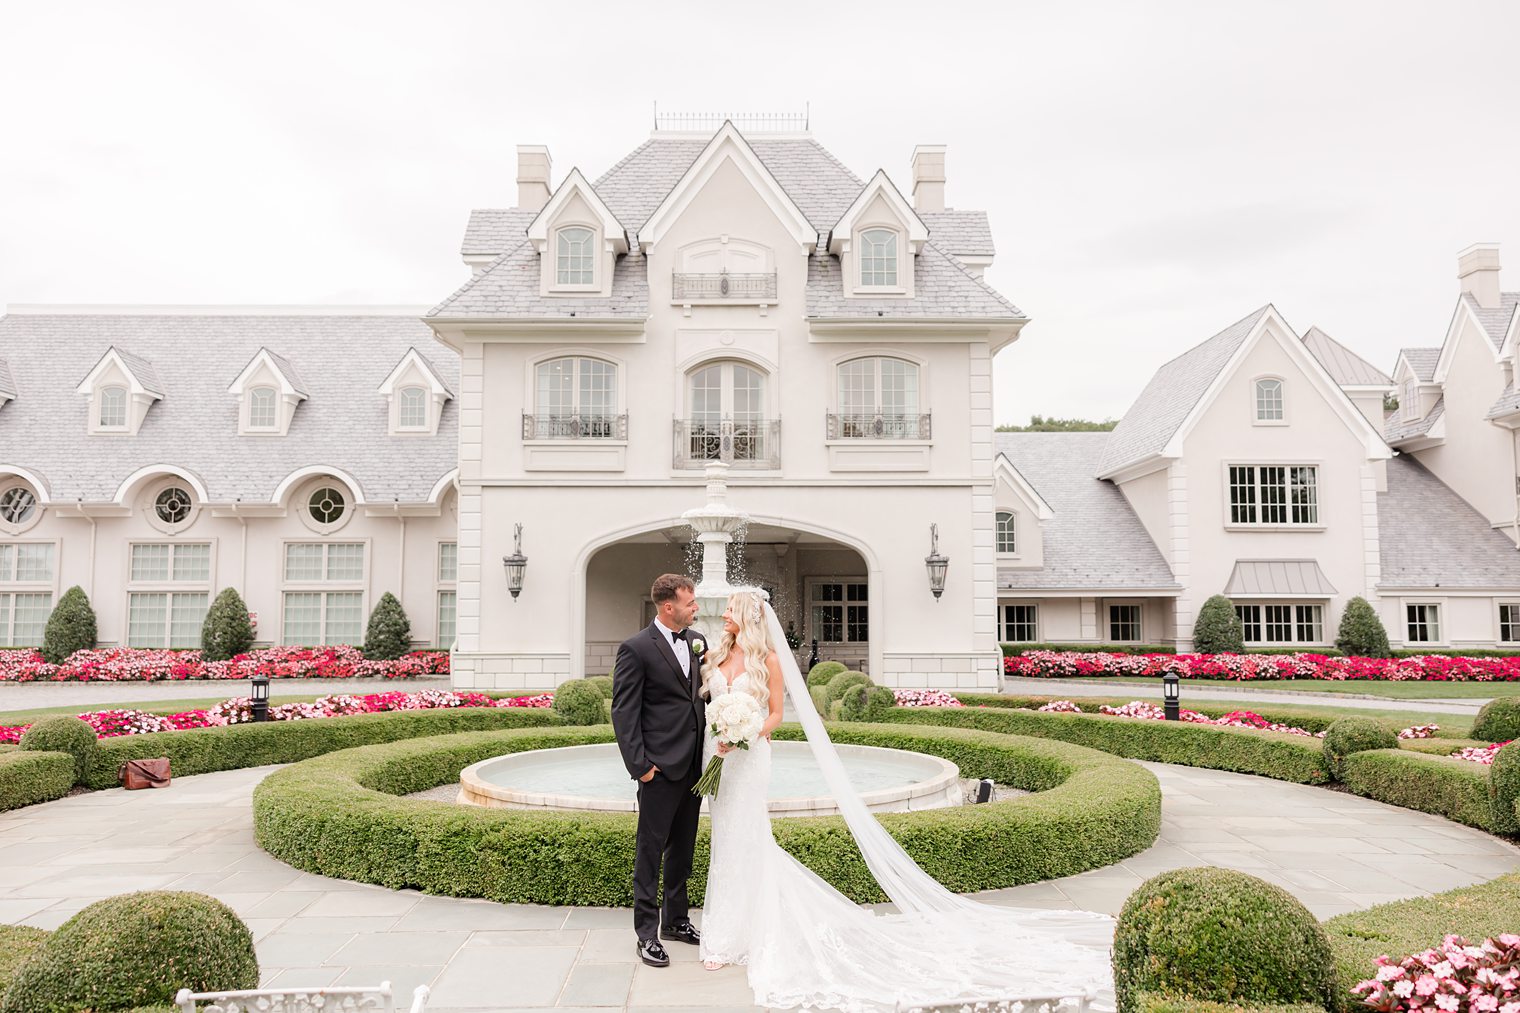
532 176
1478 268
929 177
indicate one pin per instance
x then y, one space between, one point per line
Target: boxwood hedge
1443 785
28 777
339 815
1298 718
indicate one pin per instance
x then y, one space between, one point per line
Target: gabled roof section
290 380
942 289
1397 429
880 186
140 373
960 233
412 357
728 139
1004 468
509 290
1507 404
493 231
1344 366
1421 362
1429 537
1495 322
575 184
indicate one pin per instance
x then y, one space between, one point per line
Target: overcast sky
1153 172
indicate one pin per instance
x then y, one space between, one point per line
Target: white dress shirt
683 652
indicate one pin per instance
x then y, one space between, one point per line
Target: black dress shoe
652 953
682 932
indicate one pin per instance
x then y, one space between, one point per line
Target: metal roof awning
1278 578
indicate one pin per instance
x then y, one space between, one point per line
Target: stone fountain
715 524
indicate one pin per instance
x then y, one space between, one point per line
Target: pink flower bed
925 698
1249 667
1154 712
1481 754
236 710
129 664
1457 977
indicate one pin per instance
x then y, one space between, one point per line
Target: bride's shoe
714 965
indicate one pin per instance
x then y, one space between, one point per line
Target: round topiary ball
1355 735
821 673
1504 789
866 703
1498 721
137 949
1222 936
603 684
843 681
64 735
579 702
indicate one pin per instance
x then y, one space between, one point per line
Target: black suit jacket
656 711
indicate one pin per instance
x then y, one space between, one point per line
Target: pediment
574 193
879 199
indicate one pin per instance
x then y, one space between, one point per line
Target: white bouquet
736 720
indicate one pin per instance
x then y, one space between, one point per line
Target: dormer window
878 258
411 408
268 391
1411 402
576 256
113 408
1269 400
261 408
416 393
1007 533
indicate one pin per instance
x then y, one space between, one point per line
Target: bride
806 945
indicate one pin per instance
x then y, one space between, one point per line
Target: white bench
337 999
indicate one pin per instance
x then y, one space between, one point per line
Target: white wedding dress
806 945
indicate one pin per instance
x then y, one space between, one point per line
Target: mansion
741 297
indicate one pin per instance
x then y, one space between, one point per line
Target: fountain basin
593 778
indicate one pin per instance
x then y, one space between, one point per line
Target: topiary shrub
1361 633
578 702
389 633
865 703
836 686
97 959
70 627
226 631
1498 721
1222 936
63 734
1355 735
1217 629
603 684
1504 789
821 673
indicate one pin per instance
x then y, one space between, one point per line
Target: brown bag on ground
152 773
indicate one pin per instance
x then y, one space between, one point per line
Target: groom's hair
667 584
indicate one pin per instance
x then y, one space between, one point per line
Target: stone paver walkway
1336 852
1237 694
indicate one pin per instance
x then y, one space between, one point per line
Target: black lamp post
516 565
260 697
1171 694
936 563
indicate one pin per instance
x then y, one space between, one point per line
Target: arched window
726 408
173 505
576 262
261 413
411 408
574 397
878 257
1269 400
1007 533
1409 407
113 407
327 505
878 399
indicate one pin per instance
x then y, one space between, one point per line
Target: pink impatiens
130 664
925 698
1457 977
1249 667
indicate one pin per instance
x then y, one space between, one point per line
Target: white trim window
1007 533
1422 623
1125 624
168 593
323 600
1021 623
1509 622
840 611
1281 624
1409 406
26 592
1269 400
448 594
878 258
1264 494
113 407
575 257
263 414
17 504
878 399
575 397
411 408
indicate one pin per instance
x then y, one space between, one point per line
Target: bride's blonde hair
753 638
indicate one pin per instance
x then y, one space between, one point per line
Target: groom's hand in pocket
649 776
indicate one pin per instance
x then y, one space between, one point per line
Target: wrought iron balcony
880 427
723 286
745 443
574 427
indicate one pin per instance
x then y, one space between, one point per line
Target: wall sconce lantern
516 564
260 697
936 563
1171 694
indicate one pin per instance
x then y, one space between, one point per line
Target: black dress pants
668 814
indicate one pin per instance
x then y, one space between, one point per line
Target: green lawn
1392 690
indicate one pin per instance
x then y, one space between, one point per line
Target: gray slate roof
344 424
285 366
1495 321
1396 429
7 382
1174 391
1422 361
1430 537
1094 541
493 231
1345 367
510 288
963 233
942 287
1509 402
140 368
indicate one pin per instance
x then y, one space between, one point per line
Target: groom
658 718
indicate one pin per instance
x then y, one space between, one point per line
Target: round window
16 505
173 505
326 505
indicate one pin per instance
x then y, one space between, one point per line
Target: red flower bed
129 664
1249 667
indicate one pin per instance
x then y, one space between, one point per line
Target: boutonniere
698 646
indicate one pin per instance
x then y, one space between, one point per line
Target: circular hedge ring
340 815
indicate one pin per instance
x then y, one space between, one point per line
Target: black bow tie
684 635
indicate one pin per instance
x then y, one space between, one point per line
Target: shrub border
339 815
31 776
